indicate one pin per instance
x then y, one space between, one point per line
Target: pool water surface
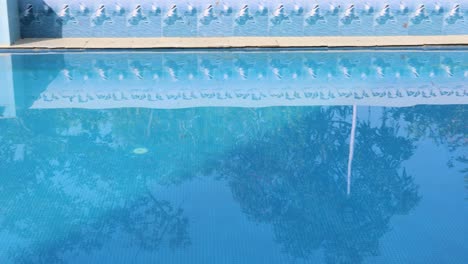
234 157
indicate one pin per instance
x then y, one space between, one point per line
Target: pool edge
239 42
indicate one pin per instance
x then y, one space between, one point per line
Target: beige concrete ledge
237 42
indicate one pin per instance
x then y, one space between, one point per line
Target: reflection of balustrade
311 66
157 98
254 79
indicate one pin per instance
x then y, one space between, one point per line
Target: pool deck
238 42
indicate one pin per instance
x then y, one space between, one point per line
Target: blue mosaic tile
209 18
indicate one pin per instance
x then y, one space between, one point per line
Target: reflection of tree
76 183
296 181
149 223
69 191
443 124
286 167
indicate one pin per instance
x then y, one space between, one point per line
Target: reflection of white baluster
345 71
137 73
277 73
447 65
380 72
67 74
242 73
173 74
312 73
207 72
414 71
102 73
156 76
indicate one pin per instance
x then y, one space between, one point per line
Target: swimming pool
298 156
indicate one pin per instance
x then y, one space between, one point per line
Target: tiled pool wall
207 18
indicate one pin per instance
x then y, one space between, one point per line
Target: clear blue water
269 157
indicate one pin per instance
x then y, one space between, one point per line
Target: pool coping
238 42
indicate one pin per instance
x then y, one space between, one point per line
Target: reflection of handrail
169 98
352 139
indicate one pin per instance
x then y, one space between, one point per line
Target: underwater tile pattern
205 18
